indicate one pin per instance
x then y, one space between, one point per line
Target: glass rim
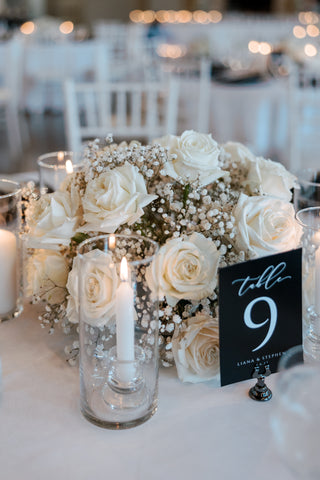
307 210
107 235
303 180
41 161
13 192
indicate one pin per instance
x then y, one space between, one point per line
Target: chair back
141 110
194 77
304 118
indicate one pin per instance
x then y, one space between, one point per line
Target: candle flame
69 166
112 242
60 156
124 270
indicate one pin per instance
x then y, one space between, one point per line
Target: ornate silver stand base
260 391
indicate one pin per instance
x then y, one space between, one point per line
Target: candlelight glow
184 16
265 48
312 30
60 156
200 16
66 27
166 50
69 166
112 242
215 16
253 46
148 16
299 32
310 50
27 28
124 270
136 16
162 16
175 16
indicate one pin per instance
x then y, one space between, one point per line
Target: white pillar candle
8 271
125 324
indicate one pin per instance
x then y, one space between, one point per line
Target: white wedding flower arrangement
207 205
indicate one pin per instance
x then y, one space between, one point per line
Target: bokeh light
136 16
310 50
312 30
66 27
27 28
265 48
215 16
299 31
254 46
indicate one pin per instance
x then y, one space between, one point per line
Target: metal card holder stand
260 391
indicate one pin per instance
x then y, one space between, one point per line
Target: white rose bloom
239 153
270 178
196 157
116 197
54 219
100 281
196 349
46 276
266 225
184 268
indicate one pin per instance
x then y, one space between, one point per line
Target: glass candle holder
309 219
295 421
54 168
118 331
308 193
11 287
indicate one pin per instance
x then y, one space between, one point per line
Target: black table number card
260 313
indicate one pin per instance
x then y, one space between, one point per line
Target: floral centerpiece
207 205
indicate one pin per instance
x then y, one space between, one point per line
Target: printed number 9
273 318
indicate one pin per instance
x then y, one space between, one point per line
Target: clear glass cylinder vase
118 331
11 283
309 219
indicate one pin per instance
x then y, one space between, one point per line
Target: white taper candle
125 324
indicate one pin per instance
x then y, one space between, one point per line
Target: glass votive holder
308 193
54 168
309 219
11 284
118 317
295 421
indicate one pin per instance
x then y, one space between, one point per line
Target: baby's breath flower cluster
198 200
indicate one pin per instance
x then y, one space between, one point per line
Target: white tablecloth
198 431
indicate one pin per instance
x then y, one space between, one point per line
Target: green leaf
186 192
79 237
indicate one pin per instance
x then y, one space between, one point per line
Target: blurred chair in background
48 65
194 76
304 117
10 92
133 110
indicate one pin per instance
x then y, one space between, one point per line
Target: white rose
184 268
54 219
239 153
195 157
270 178
99 284
266 225
46 276
116 197
196 349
